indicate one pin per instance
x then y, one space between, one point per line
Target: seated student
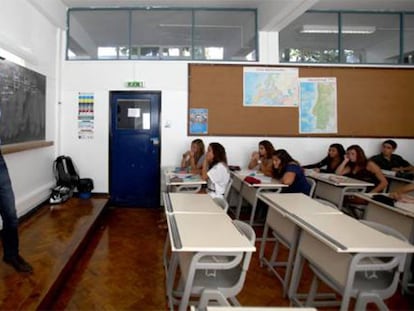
262 160
194 158
401 194
215 170
330 163
289 172
356 165
387 160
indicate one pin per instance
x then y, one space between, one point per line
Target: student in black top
387 160
356 165
330 163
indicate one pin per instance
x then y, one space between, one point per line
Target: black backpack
65 172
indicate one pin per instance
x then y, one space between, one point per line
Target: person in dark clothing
389 161
8 214
332 160
289 172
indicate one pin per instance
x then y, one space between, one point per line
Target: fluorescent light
334 29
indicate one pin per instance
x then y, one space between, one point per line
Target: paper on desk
388 173
409 207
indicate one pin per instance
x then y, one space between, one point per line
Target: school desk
399 217
177 180
281 208
205 234
250 192
336 243
334 188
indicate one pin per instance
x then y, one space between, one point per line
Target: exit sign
135 84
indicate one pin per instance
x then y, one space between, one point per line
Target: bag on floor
67 179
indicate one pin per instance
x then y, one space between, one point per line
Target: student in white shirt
215 170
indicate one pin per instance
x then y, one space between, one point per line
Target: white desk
283 207
335 243
394 182
334 188
179 202
207 234
249 192
179 181
399 218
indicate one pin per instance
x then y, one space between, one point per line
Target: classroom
38 39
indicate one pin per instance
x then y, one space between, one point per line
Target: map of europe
273 87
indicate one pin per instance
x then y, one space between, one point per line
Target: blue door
134 173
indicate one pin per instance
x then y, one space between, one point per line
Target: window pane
311 38
161 34
409 39
225 35
370 38
98 34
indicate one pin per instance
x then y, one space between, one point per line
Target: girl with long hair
261 160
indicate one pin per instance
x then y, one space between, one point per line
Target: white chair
312 182
222 203
218 277
370 279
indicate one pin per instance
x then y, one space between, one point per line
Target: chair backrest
222 203
312 183
227 189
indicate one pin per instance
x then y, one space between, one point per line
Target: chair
371 278
222 203
312 182
218 277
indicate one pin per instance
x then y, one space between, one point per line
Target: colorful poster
86 126
270 87
318 105
198 121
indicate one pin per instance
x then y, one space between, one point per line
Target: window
408 54
348 37
184 34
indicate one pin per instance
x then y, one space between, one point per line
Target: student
8 213
194 158
262 160
356 165
330 163
289 172
387 160
215 170
401 193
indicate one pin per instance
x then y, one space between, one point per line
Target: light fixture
334 29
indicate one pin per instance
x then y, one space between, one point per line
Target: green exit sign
135 84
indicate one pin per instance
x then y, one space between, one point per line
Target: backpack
67 179
65 172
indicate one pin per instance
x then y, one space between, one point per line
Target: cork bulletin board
371 102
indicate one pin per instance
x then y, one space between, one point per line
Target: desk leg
172 269
296 275
263 243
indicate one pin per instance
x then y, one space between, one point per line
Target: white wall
171 79
25 32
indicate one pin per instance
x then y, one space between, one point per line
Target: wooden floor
119 269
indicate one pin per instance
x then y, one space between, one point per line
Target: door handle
155 141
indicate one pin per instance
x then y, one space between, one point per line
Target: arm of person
288 178
343 169
254 160
204 170
267 168
398 194
317 165
185 159
376 170
404 165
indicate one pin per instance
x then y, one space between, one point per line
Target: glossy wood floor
120 269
